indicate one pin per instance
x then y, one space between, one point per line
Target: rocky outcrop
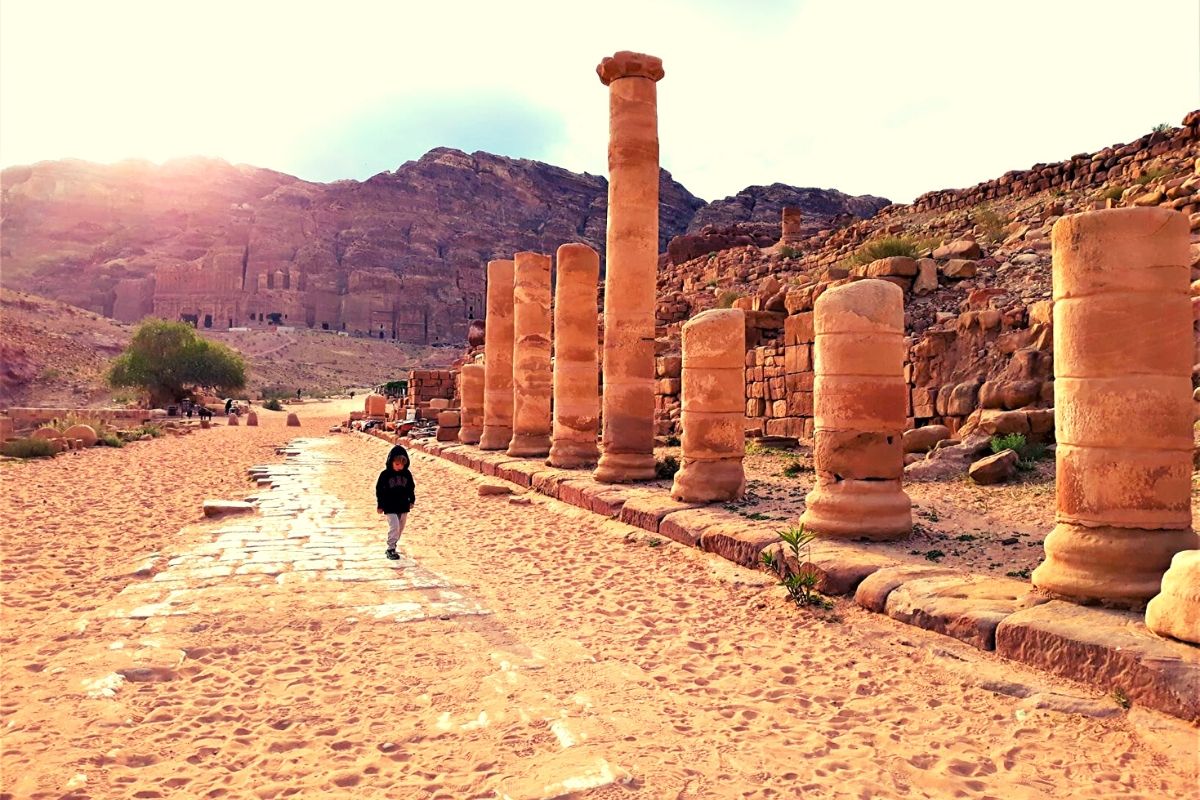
398 256
765 204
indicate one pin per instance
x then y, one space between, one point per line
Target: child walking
395 495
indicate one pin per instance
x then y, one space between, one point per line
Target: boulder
996 468
927 277
1175 611
959 248
232 419
252 419
948 462
958 269
923 439
293 420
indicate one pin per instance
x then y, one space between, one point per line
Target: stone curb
1108 650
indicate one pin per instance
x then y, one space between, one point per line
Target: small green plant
109 440
1009 441
1120 697
788 251
884 248
1161 127
757 516
148 429
672 441
1023 574
653 542
50 374
29 448
934 555
725 299
1113 193
793 469
666 467
273 404
965 537
801 584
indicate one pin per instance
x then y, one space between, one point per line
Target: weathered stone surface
576 381
1123 419
968 608
1175 610
859 395
872 593
629 283
686 526
252 419
713 417
647 511
996 468
293 420
840 569
959 248
959 269
472 377
488 489
498 358
1107 649
532 376
84 433
216 508
738 542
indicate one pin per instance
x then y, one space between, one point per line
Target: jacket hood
396 452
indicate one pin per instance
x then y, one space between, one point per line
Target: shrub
1113 193
991 224
109 440
273 404
666 467
793 469
1161 127
884 248
787 251
164 357
148 429
1151 174
1028 453
29 448
725 299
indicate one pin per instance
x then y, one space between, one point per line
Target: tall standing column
531 356
1123 412
713 394
576 383
498 358
471 392
632 261
858 409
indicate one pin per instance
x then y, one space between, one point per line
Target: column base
495 437
625 468
709 481
470 435
572 455
852 509
526 445
1116 566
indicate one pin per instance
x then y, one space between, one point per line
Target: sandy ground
605 664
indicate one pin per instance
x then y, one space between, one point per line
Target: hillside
399 256
54 354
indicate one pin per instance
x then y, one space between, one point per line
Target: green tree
167 358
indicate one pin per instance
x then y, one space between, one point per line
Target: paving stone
1109 650
647 510
967 607
873 592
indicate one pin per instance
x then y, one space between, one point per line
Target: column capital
627 64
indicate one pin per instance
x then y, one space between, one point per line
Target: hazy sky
869 96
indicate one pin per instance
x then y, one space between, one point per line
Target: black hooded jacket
395 492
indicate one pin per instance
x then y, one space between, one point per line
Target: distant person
395 495
352 395
297 394
204 412
228 405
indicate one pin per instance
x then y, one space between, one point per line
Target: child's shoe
393 555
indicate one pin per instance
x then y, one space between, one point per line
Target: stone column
859 404
632 264
531 356
713 394
472 377
497 358
1123 412
791 220
576 382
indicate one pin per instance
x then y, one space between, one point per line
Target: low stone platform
1108 650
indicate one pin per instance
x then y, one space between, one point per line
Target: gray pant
395 528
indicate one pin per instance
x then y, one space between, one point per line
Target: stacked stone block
426 385
471 391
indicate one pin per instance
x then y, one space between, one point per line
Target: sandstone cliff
400 255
